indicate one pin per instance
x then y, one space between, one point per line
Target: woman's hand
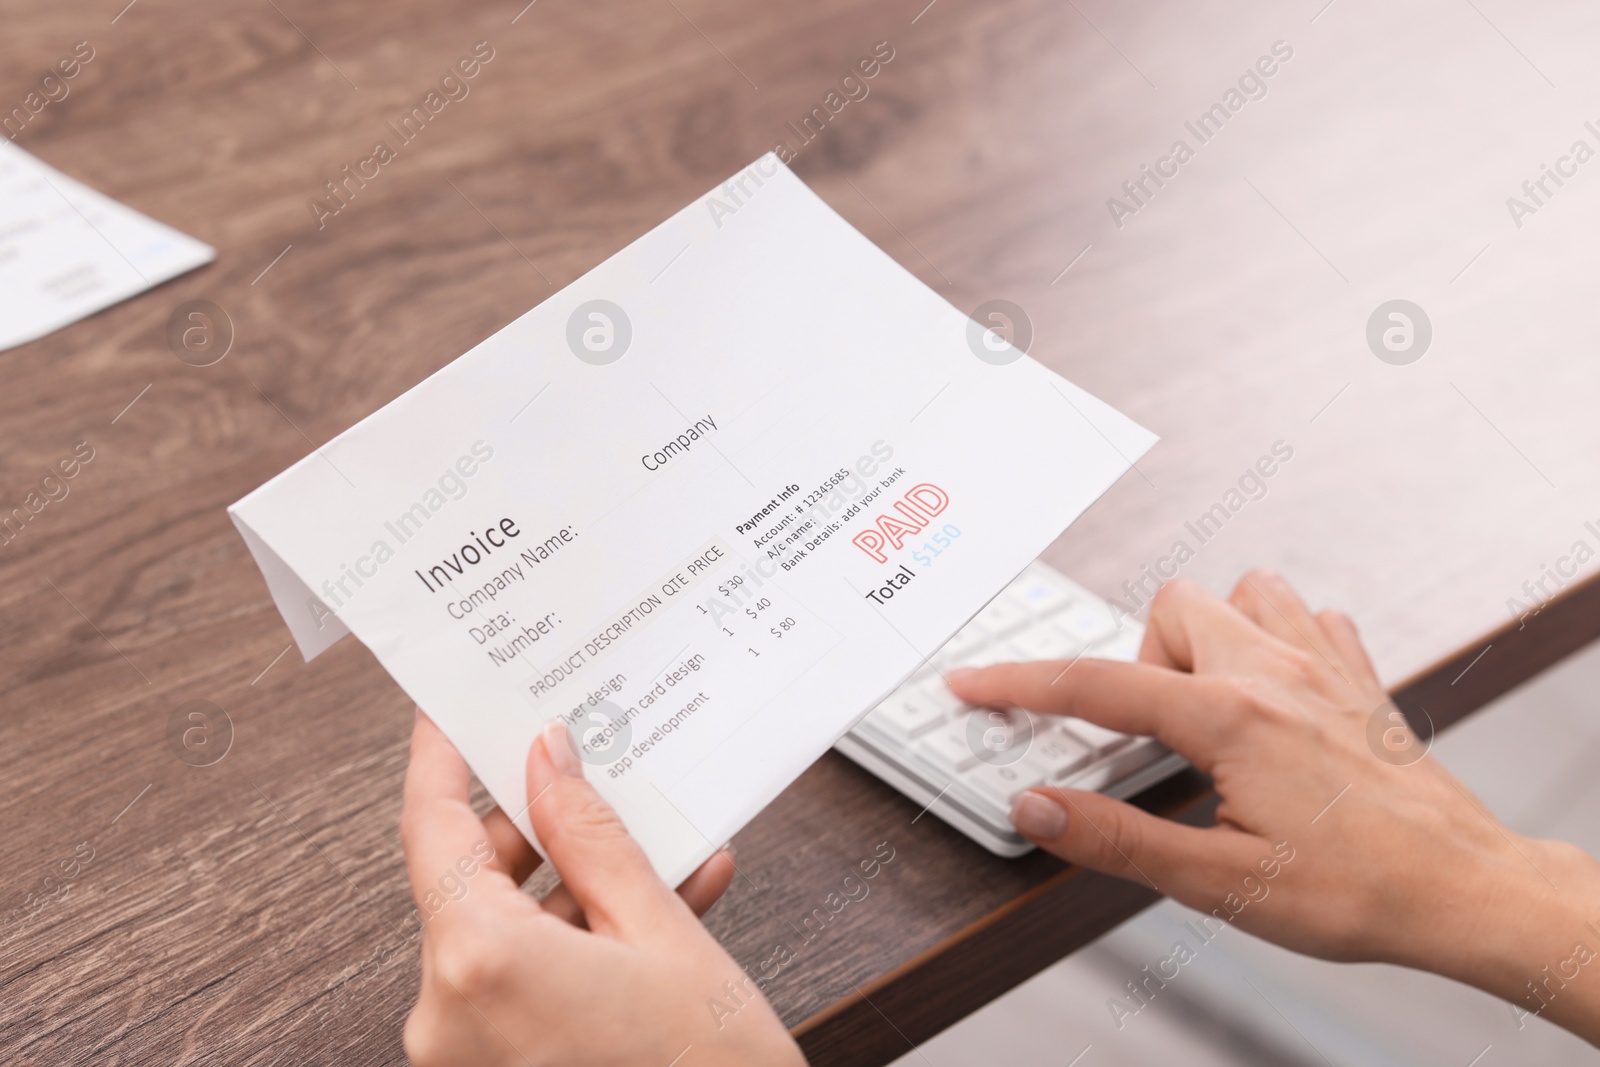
1337 835
613 968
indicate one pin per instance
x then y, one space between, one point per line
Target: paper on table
689 504
67 251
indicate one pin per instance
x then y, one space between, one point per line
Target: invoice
678 505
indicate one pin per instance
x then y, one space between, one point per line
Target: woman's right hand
1337 834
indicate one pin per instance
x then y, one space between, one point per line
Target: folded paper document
708 504
66 251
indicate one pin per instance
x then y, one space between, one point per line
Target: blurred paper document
66 251
708 505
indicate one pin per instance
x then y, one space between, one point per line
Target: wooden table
246 912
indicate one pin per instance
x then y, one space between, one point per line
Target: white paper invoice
688 504
66 251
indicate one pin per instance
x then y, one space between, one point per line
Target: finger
1187 713
709 881
1268 600
512 854
700 890
1192 630
1190 865
1340 630
560 903
438 828
1153 651
602 866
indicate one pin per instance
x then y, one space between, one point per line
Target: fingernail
1037 816
558 746
960 676
730 850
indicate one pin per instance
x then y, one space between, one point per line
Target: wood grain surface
251 911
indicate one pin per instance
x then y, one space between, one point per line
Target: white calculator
966 764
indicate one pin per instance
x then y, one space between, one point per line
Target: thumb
1192 866
600 863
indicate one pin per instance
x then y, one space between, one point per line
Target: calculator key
983 656
907 715
1044 642
1085 622
1058 754
1122 645
1108 770
947 747
1041 591
937 693
1003 783
999 736
1097 737
1003 615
